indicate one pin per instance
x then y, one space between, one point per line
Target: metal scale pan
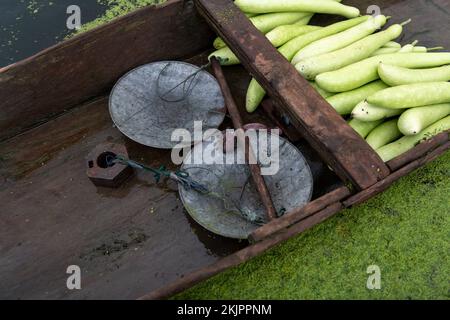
233 208
148 103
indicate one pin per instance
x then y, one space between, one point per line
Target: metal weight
101 171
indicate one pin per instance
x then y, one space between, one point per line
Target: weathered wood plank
272 112
299 214
419 151
88 65
238 123
339 145
388 181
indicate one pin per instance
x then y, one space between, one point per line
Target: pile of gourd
396 96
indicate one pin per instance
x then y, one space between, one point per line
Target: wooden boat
136 241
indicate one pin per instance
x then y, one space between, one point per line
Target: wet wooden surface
137 238
127 241
243 255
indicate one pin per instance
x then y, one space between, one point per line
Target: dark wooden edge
238 123
273 113
88 65
299 214
409 158
419 150
327 132
387 182
243 255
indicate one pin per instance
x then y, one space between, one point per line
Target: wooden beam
387 182
250 157
88 65
336 142
419 151
299 214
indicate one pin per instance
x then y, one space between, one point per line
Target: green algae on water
116 8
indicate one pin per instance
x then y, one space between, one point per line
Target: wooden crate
351 158
54 110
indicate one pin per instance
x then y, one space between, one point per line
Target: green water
29 26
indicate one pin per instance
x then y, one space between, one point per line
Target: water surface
28 26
